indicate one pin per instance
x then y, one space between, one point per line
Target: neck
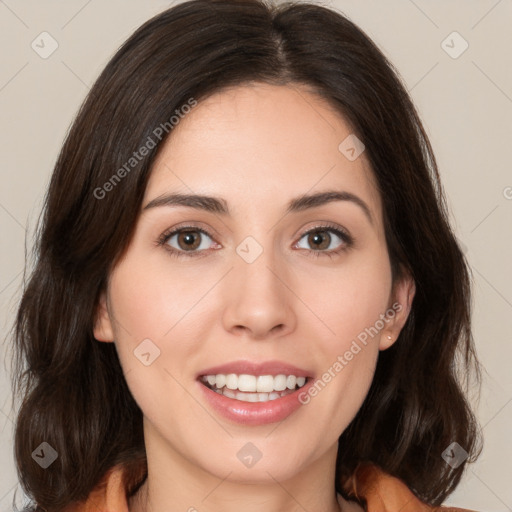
176 484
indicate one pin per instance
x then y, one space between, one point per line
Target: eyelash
347 239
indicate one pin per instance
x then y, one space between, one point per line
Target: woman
247 292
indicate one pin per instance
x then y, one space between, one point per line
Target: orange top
381 491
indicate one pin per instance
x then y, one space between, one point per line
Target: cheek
149 307
149 300
154 310
352 302
352 307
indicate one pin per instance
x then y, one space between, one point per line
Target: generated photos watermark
150 143
343 360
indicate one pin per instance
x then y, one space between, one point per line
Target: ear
103 330
398 309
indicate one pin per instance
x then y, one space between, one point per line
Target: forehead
261 143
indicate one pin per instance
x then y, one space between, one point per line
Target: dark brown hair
72 389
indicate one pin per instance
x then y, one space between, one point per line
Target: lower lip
254 413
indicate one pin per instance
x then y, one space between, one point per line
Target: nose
259 300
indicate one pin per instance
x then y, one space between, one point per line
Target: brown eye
319 240
188 240
191 240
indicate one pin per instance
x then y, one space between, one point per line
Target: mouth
254 392
253 388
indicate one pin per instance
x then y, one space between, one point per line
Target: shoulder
369 485
382 492
108 495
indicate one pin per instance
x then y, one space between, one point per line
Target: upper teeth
253 383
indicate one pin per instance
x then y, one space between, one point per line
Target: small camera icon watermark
44 45
454 45
249 249
249 455
351 147
45 455
454 455
146 352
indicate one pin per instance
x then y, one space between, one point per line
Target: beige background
466 105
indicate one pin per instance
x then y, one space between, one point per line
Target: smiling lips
254 393
252 388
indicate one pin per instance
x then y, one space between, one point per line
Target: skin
257 146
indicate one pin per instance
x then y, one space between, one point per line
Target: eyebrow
219 205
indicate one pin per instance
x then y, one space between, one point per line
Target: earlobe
386 341
102 324
403 296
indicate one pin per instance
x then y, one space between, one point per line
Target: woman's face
252 287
